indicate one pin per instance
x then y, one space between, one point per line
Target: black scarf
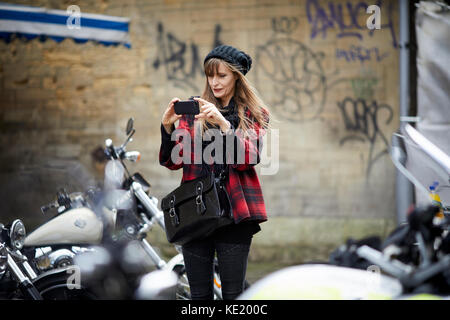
231 114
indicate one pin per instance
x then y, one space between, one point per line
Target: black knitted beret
232 55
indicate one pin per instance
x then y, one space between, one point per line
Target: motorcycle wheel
56 285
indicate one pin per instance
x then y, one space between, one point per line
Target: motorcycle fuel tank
76 226
324 282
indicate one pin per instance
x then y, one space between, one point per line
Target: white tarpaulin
433 92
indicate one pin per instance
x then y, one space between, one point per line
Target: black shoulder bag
196 208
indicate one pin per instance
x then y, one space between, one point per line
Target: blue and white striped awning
31 22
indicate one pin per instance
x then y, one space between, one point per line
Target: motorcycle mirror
130 126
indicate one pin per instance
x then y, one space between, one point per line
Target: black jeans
199 263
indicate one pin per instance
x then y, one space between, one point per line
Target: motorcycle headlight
17 234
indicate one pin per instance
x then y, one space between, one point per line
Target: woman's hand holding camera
210 111
169 116
207 110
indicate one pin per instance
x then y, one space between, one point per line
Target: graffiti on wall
361 119
329 15
292 72
181 61
363 115
360 54
294 75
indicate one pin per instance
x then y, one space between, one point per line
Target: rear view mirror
130 126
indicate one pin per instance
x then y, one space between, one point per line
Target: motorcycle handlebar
67 200
110 150
393 267
401 271
49 206
120 153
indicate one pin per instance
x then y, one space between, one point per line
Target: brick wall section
330 83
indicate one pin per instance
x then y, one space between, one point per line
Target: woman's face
222 83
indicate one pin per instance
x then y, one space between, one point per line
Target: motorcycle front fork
26 286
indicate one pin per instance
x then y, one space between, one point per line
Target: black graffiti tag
182 62
284 24
361 119
292 71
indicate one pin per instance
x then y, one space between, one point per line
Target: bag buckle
201 209
172 213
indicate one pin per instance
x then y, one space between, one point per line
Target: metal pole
404 190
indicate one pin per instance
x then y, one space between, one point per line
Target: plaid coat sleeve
243 184
246 196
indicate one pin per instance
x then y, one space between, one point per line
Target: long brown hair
245 96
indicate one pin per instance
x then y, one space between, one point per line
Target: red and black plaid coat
242 184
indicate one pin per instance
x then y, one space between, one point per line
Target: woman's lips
217 90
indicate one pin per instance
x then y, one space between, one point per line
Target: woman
228 103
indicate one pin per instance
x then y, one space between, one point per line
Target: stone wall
330 82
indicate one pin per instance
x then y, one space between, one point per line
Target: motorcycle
122 210
413 262
18 280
